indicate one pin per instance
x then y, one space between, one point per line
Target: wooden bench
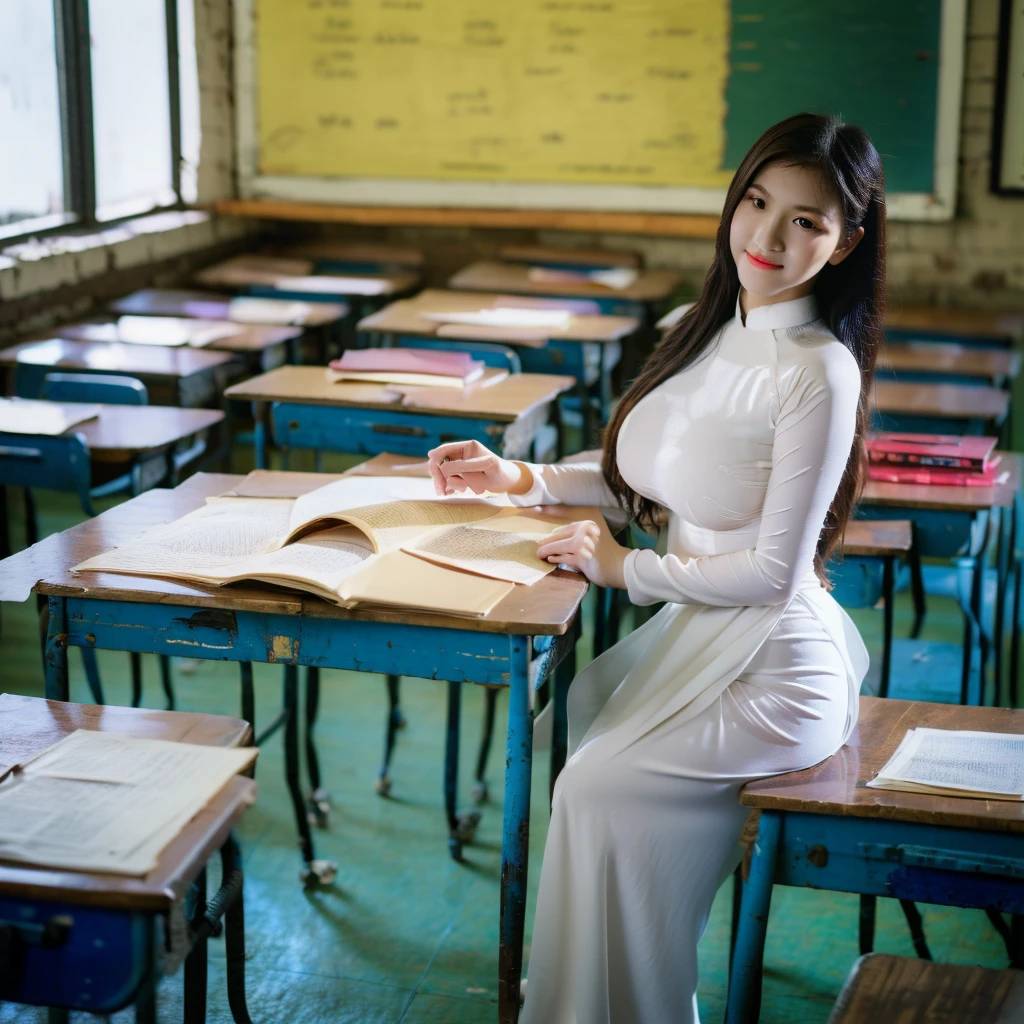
884 989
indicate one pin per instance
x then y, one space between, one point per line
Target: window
98 110
31 164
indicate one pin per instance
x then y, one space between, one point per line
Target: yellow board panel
578 91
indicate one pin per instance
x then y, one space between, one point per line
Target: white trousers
641 838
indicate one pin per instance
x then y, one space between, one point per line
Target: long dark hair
851 295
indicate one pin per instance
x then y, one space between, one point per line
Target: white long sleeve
813 437
576 480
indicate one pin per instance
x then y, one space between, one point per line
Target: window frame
74 88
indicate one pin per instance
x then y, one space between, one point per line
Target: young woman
746 426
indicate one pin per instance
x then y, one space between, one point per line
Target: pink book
935 476
409 360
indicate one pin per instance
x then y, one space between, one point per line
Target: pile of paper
947 762
104 802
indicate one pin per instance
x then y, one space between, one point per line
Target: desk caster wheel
480 792
382 785
319 812
465 826
455 848
317 873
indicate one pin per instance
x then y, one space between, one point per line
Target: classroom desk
302 408
557 256
354 257
650 289
184 377
993 366
941 408
141 923
295 278
261 346
950 520
822 829
221 306
588 347
246 624
977 326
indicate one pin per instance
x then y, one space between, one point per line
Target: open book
378 540
32 416
948 762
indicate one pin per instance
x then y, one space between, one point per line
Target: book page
968 763
105 802
401 579
218 538
384 504
503 548
505 316
329 284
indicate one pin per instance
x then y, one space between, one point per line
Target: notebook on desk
48 419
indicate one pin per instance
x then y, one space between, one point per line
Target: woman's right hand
468 466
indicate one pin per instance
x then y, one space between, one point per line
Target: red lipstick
762 264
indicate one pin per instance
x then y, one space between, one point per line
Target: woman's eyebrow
812 209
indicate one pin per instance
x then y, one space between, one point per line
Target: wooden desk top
946 401
546 608
887 989
512 397
554 255
276 272
406 316
217 306
28 725
650 286
876 537
942 357
950 499
837 786
356 252
123 432
244 337
965 323
137 360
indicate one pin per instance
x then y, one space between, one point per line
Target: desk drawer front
950 866
427 652
98 965
372 431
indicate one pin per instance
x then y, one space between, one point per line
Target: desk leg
888 594
260 416
461 827
319 798
196 962
564 674
515 844
56 650
744 1003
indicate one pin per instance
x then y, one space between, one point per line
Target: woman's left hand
589 547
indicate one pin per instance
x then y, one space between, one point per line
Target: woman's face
788 225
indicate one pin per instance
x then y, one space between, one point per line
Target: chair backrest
502 356
109 388
59 463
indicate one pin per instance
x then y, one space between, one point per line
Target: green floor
405 934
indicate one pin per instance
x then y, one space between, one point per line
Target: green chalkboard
874 62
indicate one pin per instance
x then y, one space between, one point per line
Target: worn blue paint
371 431
105 959
958 867
223 635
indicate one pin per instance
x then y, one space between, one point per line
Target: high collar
778 315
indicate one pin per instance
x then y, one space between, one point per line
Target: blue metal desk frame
955 867
436 652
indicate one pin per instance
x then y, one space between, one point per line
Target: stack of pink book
941 459
409 366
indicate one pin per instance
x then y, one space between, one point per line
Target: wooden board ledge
678 225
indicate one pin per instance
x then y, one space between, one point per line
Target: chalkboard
577 104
